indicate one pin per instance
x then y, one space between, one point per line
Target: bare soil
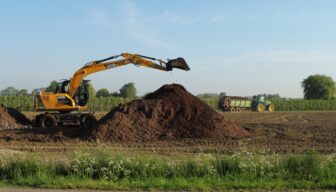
290 132
11 118
169 113
278 132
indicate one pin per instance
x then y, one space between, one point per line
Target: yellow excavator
68 103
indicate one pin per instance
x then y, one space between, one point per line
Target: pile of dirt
11 118
169 113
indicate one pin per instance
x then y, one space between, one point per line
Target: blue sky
241 47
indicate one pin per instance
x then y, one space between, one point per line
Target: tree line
101 100
319 94
315 87
126 91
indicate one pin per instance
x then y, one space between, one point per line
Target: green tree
9 91
52 86
273 96
222 95
23 92
318 87
128 91
115 94
103 93
92 91
208 95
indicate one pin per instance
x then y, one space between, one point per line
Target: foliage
12 91
318 87
221 95
273 96
92 91
21 103
242 170
52 87
304 105
25 103
207 95
23 92
9 91
106 103
212 102
103 93
115 94
128 91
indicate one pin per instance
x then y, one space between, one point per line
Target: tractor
261 103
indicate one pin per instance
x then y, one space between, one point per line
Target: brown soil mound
11 118
169 113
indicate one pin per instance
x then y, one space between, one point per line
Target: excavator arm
127 58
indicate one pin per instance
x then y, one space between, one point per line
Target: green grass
103 170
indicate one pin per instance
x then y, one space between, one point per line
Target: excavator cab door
82 94
62 86
178 63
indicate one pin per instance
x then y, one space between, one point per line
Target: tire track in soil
284 118
303 119
266 117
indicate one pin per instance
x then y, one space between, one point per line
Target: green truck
236 103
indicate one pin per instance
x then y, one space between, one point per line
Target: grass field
105 170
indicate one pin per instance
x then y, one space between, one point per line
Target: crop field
23 103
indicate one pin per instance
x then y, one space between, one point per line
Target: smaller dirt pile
11 118
169 113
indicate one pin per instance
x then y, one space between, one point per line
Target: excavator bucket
178 63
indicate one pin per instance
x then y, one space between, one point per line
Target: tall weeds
238 168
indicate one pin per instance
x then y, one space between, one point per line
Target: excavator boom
111 62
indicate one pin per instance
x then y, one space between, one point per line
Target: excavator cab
62 86
82 94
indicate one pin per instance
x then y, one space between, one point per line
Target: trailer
237 103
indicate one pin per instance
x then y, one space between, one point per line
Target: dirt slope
11 118
169 113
